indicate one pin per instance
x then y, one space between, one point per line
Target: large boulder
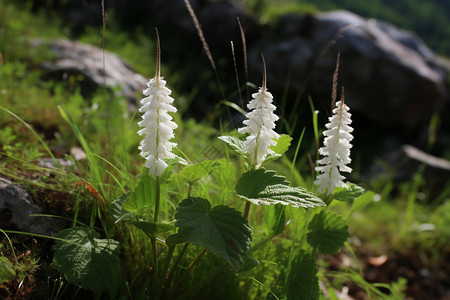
390 76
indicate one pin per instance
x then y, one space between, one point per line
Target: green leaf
221 230
328 232
199 170
282 145
267 188
86 260
142 196
117 211
302 281
175 239
235 143
151 228
7 272
348 194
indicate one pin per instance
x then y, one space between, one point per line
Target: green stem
190 189
158 198
186 273
155 280
200 285
174 267
247 209
155 269
166 266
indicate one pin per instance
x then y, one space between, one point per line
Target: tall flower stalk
336 150
157 124
260 124
157 128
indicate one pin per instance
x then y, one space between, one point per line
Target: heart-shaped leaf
221 230
328 232
86 260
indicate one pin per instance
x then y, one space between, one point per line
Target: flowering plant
190 218
336 150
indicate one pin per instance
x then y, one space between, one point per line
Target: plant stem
190 188
155 280
166 263
164 270
157 200
155 268
185 274
247 209
174 267
200 285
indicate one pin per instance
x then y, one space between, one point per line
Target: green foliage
347 194
195 172
237 145
88 261
221 230
328 232
267 188
274 219
302 280
143 196
6 270
152 228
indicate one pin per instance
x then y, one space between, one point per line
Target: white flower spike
260 124
157 124
336 150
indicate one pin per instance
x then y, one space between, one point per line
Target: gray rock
390 76
16 206
79 58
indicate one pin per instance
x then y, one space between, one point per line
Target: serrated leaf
235 143
221 230
117 211
263 187
152 228
142 196
86 260
7 272
328 232
302 280
348 194
197 171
